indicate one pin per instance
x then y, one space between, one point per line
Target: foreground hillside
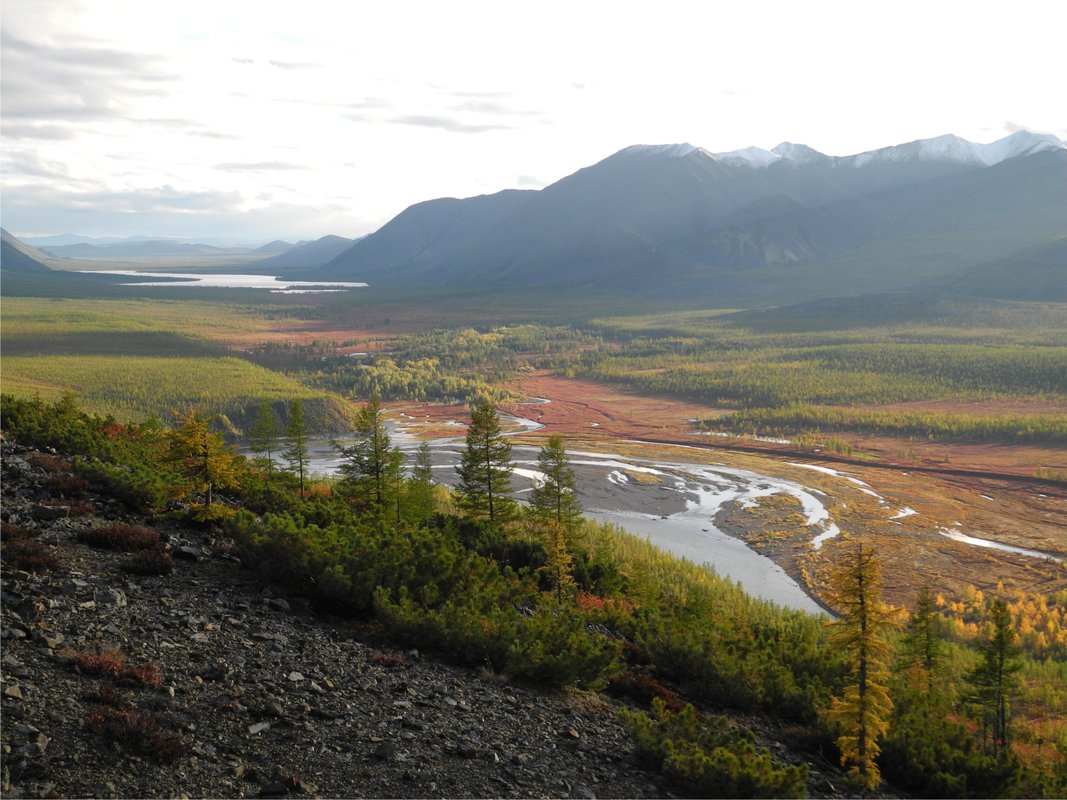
233 630
207 682
248 691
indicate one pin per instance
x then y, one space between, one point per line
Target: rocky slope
225 688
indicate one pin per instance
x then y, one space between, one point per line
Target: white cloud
360 109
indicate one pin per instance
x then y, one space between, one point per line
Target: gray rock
111 597
385 751
186 553
279 603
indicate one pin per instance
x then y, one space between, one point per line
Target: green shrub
140 486
554 647
710 757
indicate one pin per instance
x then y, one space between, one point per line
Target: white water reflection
274 283
958 536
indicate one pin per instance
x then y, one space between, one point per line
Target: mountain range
747 224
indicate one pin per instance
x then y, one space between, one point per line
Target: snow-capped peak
666 150
799 153
1017 144
952 148
749 156
941 148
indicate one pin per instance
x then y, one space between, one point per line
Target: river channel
670 503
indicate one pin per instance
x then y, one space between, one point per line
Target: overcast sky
262 120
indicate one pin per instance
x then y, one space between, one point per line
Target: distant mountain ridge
308 253
676 218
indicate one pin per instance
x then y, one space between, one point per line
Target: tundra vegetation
609 611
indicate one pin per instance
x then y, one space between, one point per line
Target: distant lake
229 281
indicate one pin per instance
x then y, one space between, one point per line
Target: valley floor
906 499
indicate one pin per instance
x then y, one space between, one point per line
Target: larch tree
485 468
862 632
994 680
553 498
560 563
265 433
200 455
296 453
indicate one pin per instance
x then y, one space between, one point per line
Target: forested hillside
548 598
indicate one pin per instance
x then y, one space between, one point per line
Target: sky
262 120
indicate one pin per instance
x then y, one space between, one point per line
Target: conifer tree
560 563
419 501
367 459
554 498
296 454
265 433
922 646
395 477
994 680
485 468
862 632
200 454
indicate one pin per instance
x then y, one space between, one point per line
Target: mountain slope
1037 273
15 256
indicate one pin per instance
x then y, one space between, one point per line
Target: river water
670 503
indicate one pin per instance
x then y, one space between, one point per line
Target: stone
111 597
273 710
295 676
258 727
13 692
219 672
48 513
385 751
279 603
186 553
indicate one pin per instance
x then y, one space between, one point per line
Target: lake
273 283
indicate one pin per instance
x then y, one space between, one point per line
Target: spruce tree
554 498
265 433
862 632
296 454
485 468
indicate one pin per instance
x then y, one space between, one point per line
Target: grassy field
801 370
137 358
